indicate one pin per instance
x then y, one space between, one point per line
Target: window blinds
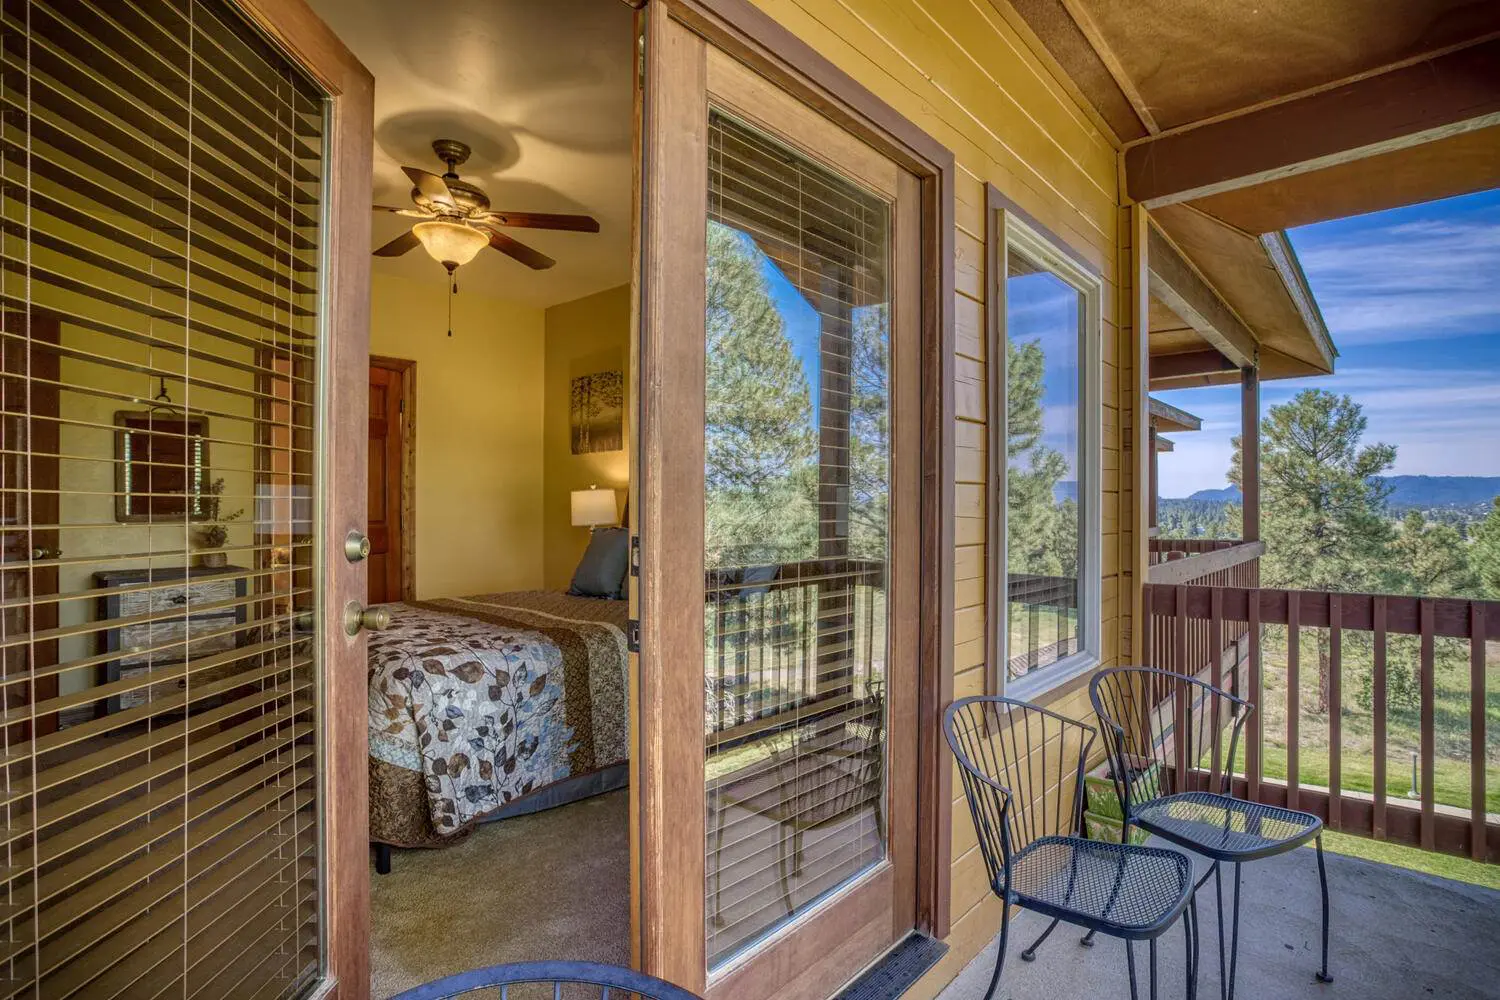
162 169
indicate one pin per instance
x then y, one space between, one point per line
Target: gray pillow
601 571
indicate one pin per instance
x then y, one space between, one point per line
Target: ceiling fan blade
399 245
433 187
545 220
534 259
413 213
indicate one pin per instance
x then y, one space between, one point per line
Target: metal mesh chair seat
603 981
1126 890
1224 828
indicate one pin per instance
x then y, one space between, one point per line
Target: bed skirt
398 803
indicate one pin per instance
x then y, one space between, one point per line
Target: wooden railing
1389 676
788 640
1209 562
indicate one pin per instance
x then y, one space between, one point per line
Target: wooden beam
1250 454
1189 364
1188 294
1439 97
1166 417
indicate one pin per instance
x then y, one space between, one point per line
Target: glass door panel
796 532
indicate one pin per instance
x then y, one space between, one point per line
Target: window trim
1011 228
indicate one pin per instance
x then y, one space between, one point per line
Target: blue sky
1412 301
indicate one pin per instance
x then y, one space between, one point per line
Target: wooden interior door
388 476
780 493
29 539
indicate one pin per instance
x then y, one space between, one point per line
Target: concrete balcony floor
1394 935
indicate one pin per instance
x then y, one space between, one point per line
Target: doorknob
357 616
42 552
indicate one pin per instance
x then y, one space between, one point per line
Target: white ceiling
540 90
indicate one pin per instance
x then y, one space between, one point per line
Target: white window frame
1022 236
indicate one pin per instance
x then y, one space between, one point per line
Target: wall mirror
161 466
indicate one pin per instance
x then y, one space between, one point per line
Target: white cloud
1406 281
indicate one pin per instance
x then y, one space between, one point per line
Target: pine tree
1484 552
761 475
1322 507
1433 559
1038 541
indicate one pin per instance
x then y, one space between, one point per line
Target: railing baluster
1253 765
1180 705
1293 695
1478 849
1335 711
1216 677
1378 709
1429 727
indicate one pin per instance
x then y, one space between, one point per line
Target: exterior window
1049 487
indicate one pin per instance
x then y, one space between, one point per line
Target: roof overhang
1166 417
1222 300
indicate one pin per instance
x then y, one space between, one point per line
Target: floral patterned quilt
494 697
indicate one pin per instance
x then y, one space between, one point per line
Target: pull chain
452 291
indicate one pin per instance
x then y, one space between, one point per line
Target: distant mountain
1229 494
1441 491
1424 492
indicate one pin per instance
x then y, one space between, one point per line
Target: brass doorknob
357 616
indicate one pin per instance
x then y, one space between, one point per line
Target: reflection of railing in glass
1042 618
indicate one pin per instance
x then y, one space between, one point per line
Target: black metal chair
1174 772
608 978
1017 764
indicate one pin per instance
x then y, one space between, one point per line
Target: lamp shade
593 507
450 242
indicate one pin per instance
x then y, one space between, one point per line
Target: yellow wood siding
963 71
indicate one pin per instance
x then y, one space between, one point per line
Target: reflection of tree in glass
761 477
869 433
1042 532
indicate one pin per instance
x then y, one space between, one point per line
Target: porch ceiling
1282 113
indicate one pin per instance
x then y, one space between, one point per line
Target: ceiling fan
459 222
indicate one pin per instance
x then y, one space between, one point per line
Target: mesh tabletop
1225 828
1126 890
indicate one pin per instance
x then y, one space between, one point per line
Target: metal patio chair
610 979
1173 770
1018 762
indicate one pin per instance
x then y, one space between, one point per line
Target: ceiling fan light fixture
451 244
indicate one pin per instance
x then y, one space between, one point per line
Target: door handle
357 617
43 552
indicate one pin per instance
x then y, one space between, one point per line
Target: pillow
601 571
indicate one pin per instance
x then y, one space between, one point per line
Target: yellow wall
969 75
479 432
585 335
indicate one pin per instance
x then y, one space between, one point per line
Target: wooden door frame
407 368
344 394
665 880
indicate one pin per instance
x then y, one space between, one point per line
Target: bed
491 706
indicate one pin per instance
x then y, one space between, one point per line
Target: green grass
1414 859
1450 777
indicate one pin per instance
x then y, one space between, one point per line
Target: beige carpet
552 885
